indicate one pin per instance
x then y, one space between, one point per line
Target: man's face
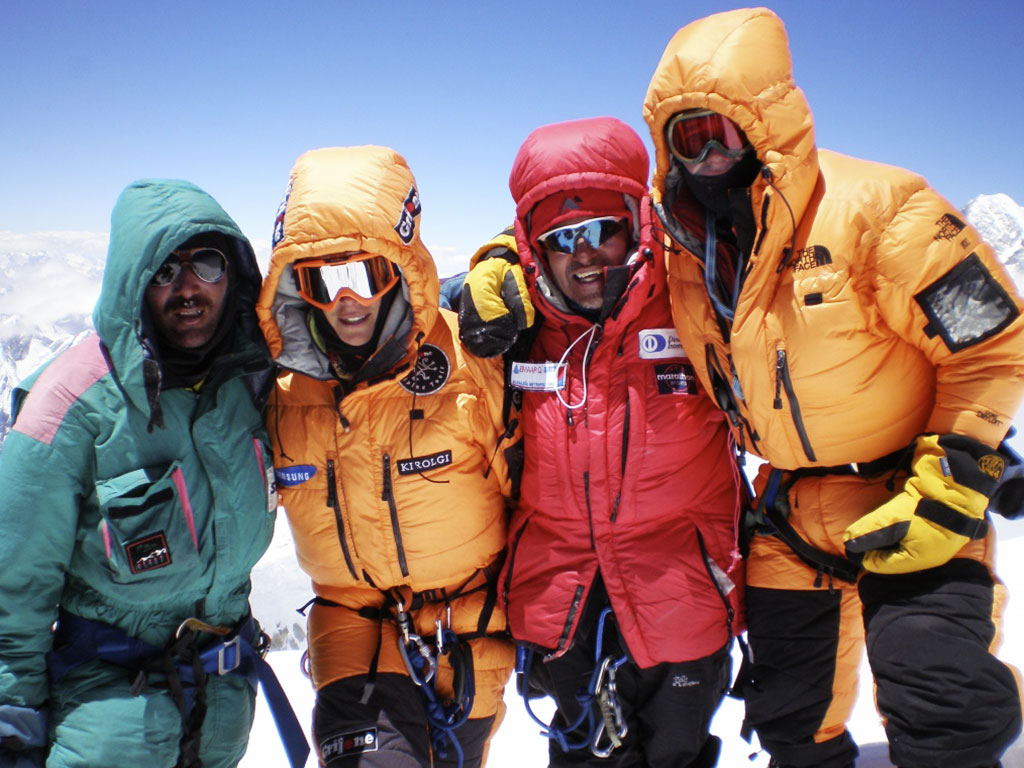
187 309
580 275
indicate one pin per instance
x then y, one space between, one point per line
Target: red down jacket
638 482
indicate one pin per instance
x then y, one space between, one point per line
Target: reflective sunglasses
208 264
691 135
594 232
364 277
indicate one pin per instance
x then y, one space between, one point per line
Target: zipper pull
780 366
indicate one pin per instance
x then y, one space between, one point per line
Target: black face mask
713 191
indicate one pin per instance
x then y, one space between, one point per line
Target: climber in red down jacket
623 566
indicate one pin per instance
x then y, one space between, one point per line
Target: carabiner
423 651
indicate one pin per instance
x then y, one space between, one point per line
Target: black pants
389 730
948 702
668 707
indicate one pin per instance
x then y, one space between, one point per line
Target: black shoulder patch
966 305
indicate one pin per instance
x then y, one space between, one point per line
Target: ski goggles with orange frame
692 134
364 277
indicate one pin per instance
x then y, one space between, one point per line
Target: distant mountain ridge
49 282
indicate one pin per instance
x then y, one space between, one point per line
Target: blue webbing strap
84 640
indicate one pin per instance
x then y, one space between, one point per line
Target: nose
584 252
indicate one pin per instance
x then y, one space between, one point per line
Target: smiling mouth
354 320
587 276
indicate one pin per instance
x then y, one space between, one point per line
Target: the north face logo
811 257
949 227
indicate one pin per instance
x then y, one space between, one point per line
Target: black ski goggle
208 264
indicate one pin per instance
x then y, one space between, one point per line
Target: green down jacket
126 504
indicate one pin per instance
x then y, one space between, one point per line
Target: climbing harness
182 668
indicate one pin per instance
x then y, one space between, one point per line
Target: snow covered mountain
49 282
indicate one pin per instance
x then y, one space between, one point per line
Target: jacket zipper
784 382
388 495
513 550
622 465
729 613
332 502
590 515
725 397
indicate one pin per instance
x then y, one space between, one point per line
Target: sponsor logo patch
148 553
278 234
538 377
297 475
406 226
990 417
430 372
660 343
811 257
351 743
418 464
992 465
675 379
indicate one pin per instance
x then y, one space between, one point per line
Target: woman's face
354 322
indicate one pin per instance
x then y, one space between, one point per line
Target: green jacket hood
153 217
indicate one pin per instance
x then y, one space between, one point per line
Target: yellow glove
495 306
941 508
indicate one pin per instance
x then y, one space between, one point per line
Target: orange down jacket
398 483
841 349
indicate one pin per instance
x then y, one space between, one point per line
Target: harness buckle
229 656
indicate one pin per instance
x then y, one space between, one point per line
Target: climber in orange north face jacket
866 342
392 463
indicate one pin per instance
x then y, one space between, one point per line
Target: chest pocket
147 529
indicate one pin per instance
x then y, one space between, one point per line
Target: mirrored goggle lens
208 264
689 135
323 284
594 232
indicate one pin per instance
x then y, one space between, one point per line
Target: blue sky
228 94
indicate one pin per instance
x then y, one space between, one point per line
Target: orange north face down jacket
851 333
396 482
845 342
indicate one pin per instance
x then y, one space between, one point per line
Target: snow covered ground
518 743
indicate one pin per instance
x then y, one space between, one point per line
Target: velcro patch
292 476
347 744
148 554
675 379
418 464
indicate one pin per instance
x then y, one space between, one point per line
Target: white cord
586 356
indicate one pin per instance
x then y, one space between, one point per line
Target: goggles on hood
365 277
692 134
594 232
208 264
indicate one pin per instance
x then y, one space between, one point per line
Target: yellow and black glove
495 306
942 508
